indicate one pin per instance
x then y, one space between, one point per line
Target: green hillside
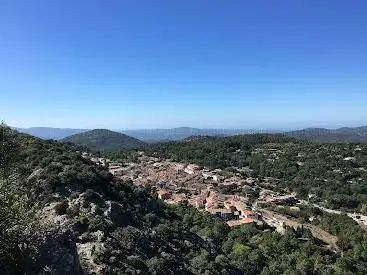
215 152
341 135
101 139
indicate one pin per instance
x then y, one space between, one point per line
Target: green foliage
9 149
213 152
61 207
342 135
19 242
101 139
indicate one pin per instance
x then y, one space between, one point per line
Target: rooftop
248 212
221 210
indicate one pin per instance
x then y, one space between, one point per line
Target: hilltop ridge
102 139
344 134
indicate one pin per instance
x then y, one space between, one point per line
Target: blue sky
201 63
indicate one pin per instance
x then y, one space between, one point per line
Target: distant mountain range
346 134
50 133
358 134
148 135
181 133
101 139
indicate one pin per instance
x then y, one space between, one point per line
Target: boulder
116 213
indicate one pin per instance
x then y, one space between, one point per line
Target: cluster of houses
207 190
232 209
191 184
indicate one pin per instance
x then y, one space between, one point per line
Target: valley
250 204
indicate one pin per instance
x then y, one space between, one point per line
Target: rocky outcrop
59 254
76 250
88 215
116 213
89 251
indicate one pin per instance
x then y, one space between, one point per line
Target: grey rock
116 212
59 254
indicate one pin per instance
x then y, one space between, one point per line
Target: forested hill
101 139
215 152
180 133
342 135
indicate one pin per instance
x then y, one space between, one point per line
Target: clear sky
200 63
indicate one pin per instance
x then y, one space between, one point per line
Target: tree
18 241
9 149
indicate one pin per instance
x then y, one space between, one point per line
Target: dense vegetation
180 133
342 135
140 234
101 139
214 152
18 241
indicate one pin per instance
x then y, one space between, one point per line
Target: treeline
214 152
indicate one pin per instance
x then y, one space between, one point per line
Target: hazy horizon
275 128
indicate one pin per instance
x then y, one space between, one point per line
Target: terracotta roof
247 220
248 212
209 204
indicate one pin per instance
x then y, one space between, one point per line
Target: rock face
75 251
116 213
87 253
59 255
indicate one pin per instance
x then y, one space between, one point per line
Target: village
202 188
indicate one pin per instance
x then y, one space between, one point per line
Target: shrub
73 210
61 207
